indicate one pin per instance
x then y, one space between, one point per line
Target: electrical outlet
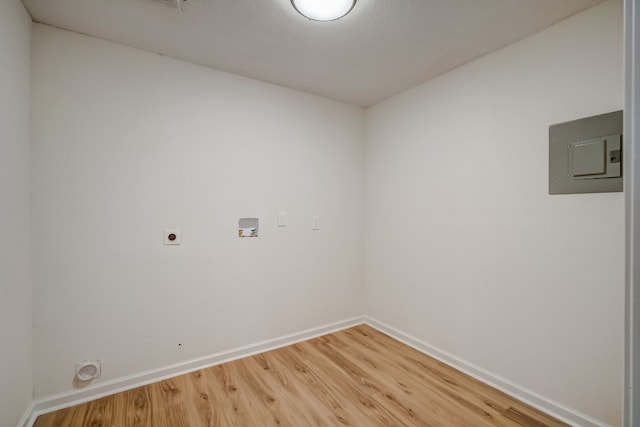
282 219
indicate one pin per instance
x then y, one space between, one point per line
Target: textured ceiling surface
381 48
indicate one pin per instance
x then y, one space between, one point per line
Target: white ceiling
381 48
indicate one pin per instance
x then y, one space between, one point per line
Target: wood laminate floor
355 377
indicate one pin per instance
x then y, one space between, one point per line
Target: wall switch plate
171 236
282 219
315 223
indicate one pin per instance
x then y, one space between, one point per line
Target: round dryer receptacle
87 370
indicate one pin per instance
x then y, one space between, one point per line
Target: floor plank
355 377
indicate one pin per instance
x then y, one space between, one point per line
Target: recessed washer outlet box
248 227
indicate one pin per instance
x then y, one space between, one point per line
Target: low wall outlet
171 236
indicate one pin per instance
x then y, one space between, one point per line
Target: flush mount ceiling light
323 10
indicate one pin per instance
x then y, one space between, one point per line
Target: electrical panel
585 155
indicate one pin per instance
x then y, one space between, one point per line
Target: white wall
127 143
15 258
465 248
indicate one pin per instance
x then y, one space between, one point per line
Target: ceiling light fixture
323 10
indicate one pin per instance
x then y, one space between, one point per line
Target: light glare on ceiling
323 10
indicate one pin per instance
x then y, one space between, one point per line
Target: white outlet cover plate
171 231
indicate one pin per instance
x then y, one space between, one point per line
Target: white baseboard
28 418
75 397
529 397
